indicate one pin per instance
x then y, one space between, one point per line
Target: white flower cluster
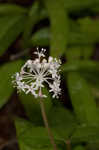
35 73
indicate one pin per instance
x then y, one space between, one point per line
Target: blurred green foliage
6 71
67 37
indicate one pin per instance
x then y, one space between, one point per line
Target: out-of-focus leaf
32 19
81 65
77 7
92 78
43 13
32 137
87 69
86 133
76 52
41 37
87 51
95 9
95 92
10 28
79 147
32 106
81 36
89 28
73 53
63 122
82 99
6 71
59 29
12 9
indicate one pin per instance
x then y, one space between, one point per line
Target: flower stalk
68 145
46 124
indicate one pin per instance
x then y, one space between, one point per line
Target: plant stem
68 145
46 124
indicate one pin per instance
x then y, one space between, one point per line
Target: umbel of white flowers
34 73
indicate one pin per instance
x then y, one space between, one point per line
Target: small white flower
35 73
55 88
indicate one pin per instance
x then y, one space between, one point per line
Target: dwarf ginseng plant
31 79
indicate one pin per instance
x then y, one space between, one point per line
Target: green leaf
12 9
77 51
31 137
81 66
78 35
77 7
87 51
82 99
85 133
62 121
92 77
41 37
6 71
32 106
59 29
74 53
95 10
79 147
10 28
89 28
33 17
87 69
